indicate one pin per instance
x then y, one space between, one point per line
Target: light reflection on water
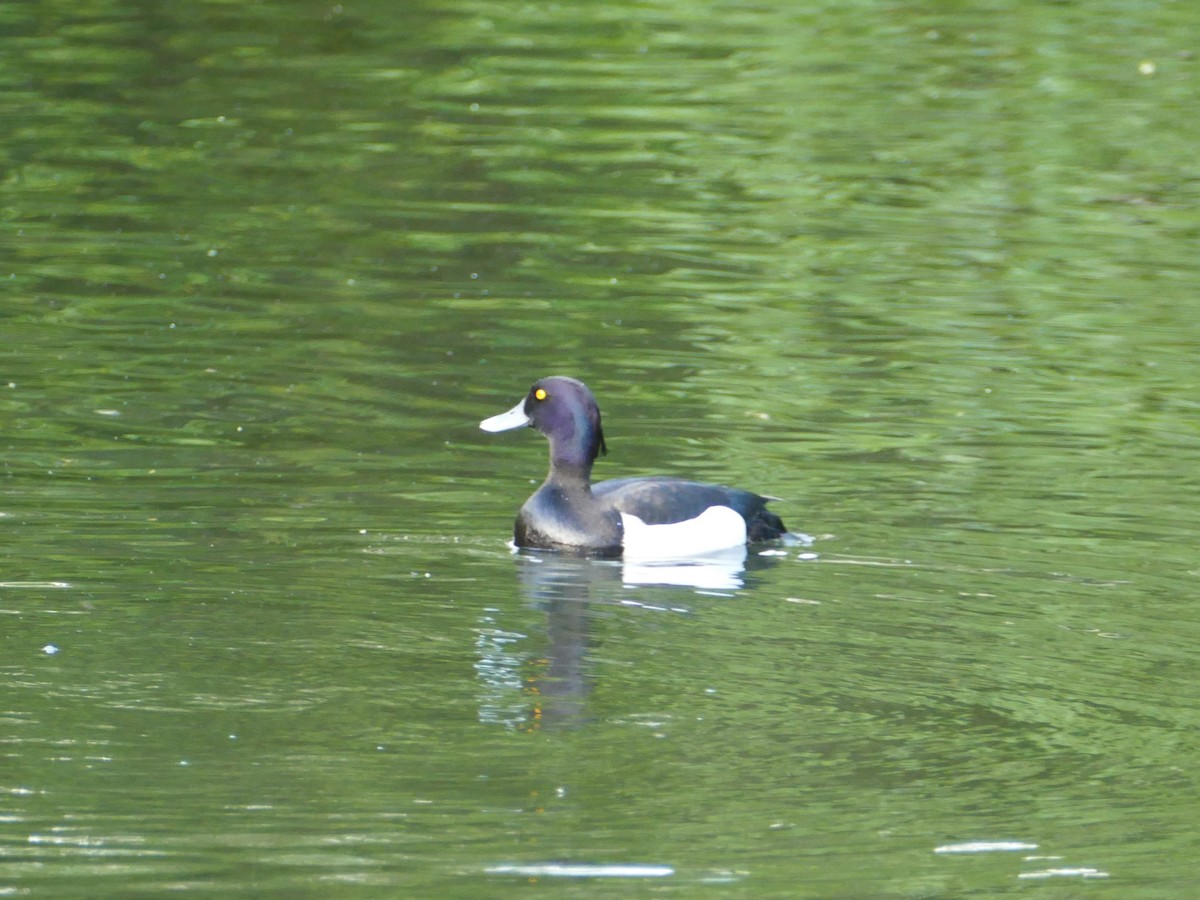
552 691
582 870
541 682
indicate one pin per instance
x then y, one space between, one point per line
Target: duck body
629 517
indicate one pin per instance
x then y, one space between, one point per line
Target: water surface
928 275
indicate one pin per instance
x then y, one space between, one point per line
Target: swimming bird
657 516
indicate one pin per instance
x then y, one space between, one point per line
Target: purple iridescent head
565 411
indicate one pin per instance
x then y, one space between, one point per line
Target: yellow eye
540 394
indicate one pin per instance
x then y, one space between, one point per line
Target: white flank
717 528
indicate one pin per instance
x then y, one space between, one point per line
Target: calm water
930 275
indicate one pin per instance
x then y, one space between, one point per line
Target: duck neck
570 473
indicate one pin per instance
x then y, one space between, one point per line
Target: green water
926 272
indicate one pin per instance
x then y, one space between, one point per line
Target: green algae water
928 275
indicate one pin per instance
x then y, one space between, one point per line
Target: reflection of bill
532 681
498 665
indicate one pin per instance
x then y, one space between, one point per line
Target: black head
565 411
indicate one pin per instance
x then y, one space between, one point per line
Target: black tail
765 526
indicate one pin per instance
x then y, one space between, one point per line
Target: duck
643 517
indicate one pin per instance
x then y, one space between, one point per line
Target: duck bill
506 421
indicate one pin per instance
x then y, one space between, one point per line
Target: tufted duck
655 517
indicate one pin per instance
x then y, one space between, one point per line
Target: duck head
564 410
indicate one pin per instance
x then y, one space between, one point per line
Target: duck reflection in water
546 685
